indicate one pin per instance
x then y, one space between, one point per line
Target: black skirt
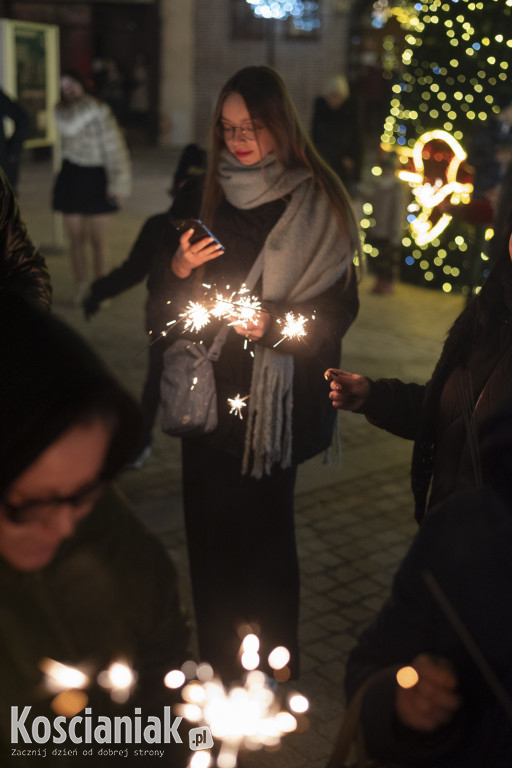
82 189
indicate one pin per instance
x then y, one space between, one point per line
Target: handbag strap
249 282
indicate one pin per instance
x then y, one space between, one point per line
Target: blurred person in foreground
444 417
95 177
22 268
11 146
448 617
82 582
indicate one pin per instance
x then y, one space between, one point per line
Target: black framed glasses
248 130
41 510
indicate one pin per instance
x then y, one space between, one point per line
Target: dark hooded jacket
470 383
463 549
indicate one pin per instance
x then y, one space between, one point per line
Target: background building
189 48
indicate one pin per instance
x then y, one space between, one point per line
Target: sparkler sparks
60 677
245 310
119 679
243 716
196 316
236 404
294 326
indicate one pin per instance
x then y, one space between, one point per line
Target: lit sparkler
243 716
236 404
196 316
293 327
60 677
119 679
245 308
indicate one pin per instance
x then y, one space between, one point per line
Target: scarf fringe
268 439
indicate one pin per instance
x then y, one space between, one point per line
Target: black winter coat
406 410
464 544
337 134
243 233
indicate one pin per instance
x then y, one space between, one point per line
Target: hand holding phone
197 245
200 230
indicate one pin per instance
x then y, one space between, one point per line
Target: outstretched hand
433 700
189 256
348 390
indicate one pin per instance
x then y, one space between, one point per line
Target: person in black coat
337 131
448 618
10 148
469 383
82 582
269 197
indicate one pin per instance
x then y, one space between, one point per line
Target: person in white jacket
95 176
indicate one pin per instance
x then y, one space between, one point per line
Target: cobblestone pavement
354 522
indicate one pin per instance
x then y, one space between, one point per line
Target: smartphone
200 230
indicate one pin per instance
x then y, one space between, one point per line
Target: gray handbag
187 389
188 396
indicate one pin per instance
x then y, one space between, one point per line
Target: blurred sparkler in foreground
245 716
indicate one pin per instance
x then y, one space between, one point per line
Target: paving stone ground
354 522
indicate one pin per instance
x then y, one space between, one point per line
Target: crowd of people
82 582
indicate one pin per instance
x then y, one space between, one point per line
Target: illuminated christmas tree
455 77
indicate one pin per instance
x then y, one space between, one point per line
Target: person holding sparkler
447 617
84 587
266 192
469 383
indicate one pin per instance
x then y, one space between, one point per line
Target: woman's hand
433 701
348 390
189 256
254 331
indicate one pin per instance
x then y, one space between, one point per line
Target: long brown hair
268 101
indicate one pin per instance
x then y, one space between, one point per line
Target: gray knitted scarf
303 255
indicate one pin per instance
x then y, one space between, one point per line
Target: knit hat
50 380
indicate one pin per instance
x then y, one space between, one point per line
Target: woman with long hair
95 176
268 193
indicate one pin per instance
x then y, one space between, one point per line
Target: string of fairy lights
454 68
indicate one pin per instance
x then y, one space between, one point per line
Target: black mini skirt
82 189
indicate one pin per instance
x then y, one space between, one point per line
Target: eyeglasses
247 130
41 510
